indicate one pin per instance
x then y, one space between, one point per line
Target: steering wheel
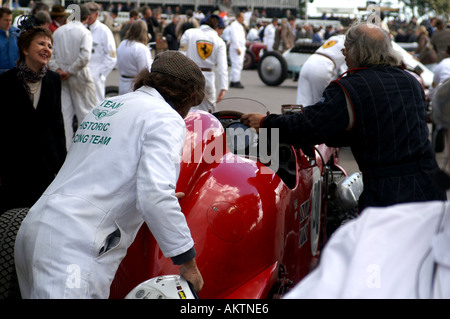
241 140
228 114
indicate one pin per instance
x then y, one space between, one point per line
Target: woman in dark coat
32 140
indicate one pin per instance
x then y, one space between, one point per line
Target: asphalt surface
273 97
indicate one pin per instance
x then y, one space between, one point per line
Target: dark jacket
388 137
171 36
32 141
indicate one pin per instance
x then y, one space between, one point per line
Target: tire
111 91
272 69
249 60
438 138
10 222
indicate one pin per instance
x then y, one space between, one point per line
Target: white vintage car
274 67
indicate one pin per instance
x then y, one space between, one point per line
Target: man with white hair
395 252
379 111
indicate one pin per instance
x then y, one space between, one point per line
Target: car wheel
438 138
249 60
10 222
272 69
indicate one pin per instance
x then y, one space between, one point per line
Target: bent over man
378 110
120 172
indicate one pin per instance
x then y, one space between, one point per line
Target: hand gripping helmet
163 287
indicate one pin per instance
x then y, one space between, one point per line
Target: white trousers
210 99
315 75
78 98
237 64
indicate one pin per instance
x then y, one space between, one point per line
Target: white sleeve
222 66
84 55
184 43
157 176
109 53
143 58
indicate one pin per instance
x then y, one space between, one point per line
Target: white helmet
163 287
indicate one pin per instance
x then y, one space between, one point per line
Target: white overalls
72 46
237 41
132 57
121 170
395 252
204 46
103 58
319 70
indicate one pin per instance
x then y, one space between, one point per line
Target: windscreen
242 105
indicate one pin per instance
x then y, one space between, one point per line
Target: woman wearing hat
120 172
59 17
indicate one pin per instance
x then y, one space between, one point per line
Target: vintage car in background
258 218
255 50
275 67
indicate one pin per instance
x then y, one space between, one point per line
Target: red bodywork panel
250 230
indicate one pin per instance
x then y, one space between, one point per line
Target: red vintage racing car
259 211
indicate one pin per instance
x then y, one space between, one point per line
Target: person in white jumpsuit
206 48
104 56
72 46
320 69
237 50
120 172
133 55
396 252
269 34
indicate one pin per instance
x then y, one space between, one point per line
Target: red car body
255 234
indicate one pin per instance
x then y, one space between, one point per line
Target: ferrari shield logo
329 44
204 49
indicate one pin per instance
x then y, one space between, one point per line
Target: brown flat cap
175 63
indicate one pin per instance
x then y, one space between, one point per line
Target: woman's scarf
26 75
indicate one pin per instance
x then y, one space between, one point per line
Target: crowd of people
54 74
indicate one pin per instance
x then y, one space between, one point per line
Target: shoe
237 85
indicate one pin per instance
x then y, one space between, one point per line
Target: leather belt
206 69
320 53
127 77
